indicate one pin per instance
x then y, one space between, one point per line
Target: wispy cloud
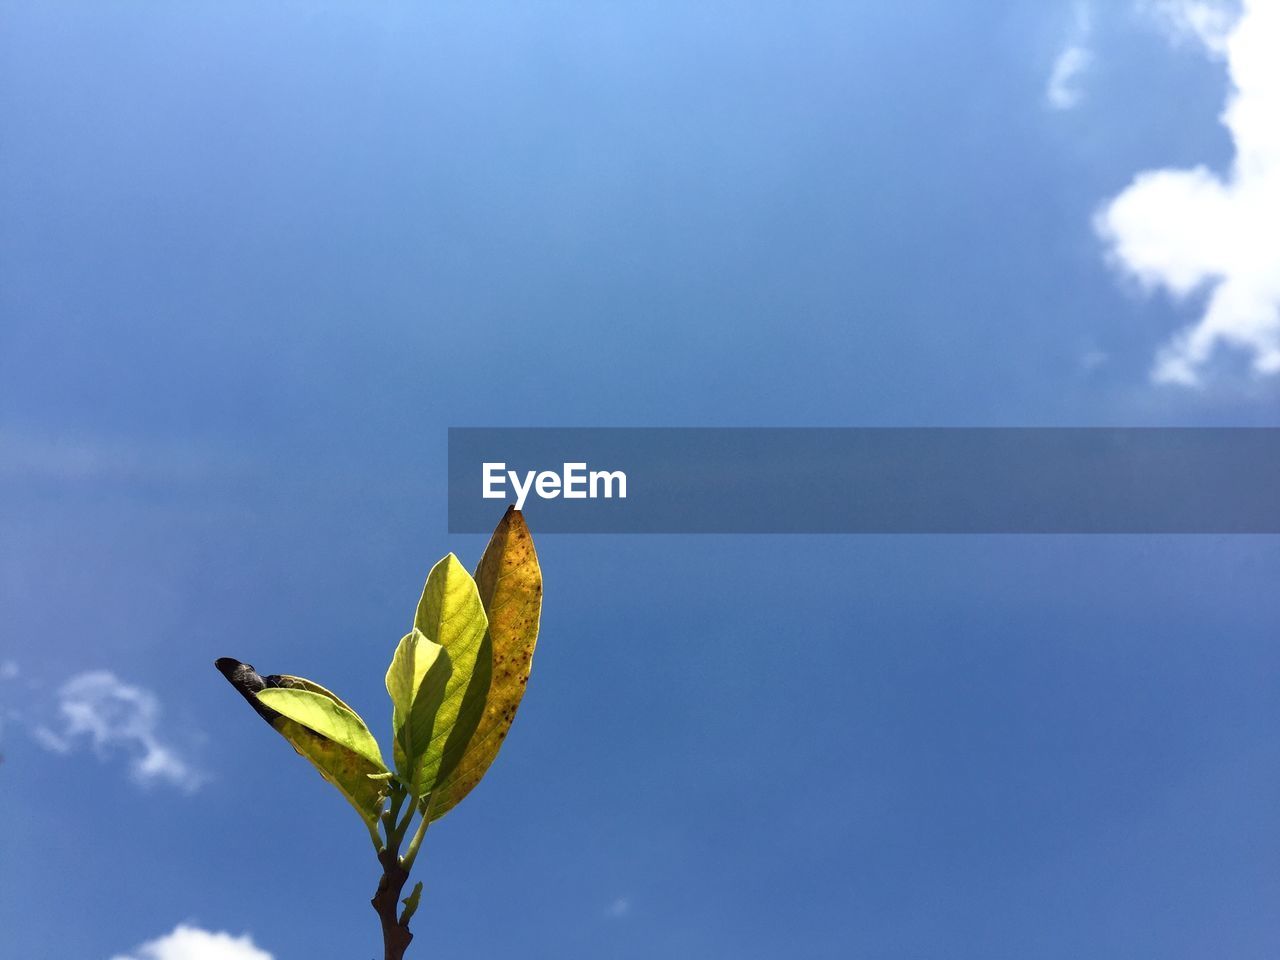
1210 238
9 671
113 718
193 943
1064 90
67 458
619 908
1093 359
1206 22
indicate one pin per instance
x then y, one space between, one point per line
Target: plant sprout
455 682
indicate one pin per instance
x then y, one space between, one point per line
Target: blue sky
255 259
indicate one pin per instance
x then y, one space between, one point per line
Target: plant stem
403 826
416 842
395 936
395 871
389 817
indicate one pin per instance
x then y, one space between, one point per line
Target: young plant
455 682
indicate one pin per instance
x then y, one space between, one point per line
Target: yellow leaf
510 584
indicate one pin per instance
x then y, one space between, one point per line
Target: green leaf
416 682
302 683
450 614
358 778
509 581
328 717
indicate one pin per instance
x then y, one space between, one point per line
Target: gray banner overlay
869 480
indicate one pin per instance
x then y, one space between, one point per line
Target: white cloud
1196 234
51 741
9 670
111 716
1198 21
619 908
192 943
1063 91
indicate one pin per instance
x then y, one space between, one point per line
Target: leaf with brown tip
358 778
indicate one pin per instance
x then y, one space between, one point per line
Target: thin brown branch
395 936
